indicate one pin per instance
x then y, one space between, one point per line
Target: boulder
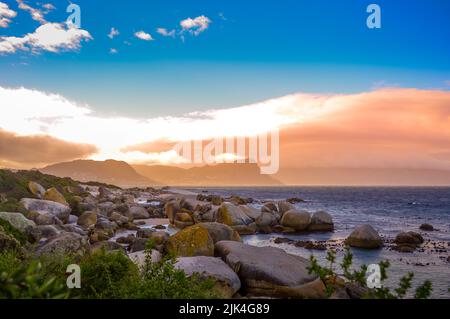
426 227
284 206
44 218
250 211
265 222
17 220
87 219
270 207
364 236
72 219
410 237
219 232
270 271
191 241
231 215
297 219
72 228
226 282
65 243
321 221
52 194
139 212
36 189
245 229
56 209
48 231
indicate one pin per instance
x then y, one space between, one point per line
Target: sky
141 72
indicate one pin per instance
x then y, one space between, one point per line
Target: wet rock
284 206
426 227
265 222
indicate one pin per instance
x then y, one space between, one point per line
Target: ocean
389 210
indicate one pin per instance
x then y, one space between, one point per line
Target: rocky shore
204 232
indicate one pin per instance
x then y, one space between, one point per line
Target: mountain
214 175
363 176
110 171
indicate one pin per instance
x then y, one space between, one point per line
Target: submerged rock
364 236
426 227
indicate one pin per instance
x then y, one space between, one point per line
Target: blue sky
251 51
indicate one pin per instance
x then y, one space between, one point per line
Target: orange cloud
385 128
38 150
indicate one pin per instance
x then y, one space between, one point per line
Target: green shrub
161 280
10 230
329 277
107 275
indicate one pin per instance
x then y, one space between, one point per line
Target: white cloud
143 36
6 14
35 112
113 51
164 32
36 14
52 37
48 6
113 33
196 25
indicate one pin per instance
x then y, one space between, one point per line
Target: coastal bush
161 280
358 277
26 278
8 229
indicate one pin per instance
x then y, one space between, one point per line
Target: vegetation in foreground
358 278
110 275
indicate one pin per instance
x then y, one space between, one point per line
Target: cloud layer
398 127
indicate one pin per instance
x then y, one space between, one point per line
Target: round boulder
364 236
191 241
296 219
321 221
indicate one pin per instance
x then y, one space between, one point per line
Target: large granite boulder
364 236
232 215
226 282
219 232
270 271
139 212
87 219
58 210
17 220
296 219
284 206
250 211
36 189
191 241
321 221
54 195
266 221
65 243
